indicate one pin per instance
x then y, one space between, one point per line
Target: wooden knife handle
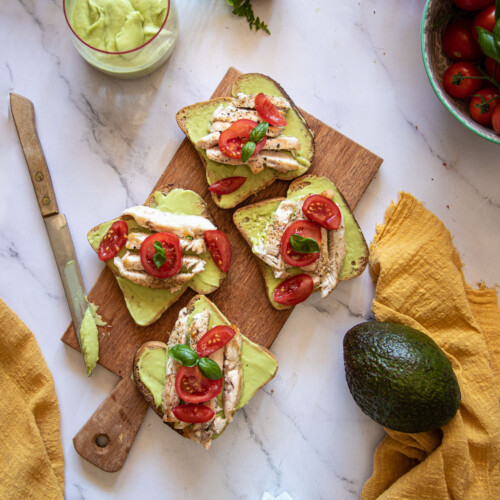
24 118
105 440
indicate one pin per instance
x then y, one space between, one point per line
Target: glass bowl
436 63
133 63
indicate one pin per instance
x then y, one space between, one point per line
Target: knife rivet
46 200
39 176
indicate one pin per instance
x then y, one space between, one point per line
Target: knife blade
56 225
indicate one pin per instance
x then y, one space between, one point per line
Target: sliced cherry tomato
294 290
219 248
193 414
171 245
305 229
193 387
458 43
460 87
227 185
323 211
495 119
232 140
472 4
492 68
268 111
483 113
214 339
113 240
485 19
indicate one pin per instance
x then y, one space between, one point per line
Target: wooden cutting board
106 438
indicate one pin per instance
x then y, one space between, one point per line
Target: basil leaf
247 151
160 256
303 245
490 42
210 368
184 354
259 132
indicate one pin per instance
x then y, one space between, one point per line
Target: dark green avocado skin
400 377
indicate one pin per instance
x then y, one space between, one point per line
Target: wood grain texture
242 297
23 113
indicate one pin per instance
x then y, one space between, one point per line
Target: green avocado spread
258 366
198 120
89 337
254 221
118 25
146 305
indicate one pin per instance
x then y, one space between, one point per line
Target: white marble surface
355 65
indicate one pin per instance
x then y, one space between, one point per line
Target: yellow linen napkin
31 455
420 284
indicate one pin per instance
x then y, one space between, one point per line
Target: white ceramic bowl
436 63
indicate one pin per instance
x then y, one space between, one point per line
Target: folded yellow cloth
31 455
420 284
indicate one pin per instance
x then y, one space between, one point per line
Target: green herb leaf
190 238
160 256
490 42
259 132
210 368
303 245
184 354
247 151
243 8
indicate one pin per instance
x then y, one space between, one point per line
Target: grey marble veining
354 65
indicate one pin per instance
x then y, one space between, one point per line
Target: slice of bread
148 376
146 305
252 221
194 120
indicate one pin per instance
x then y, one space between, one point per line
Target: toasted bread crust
182 121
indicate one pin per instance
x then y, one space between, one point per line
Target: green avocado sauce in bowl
123 38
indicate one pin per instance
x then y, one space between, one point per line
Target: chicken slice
233 375
199 327
248 101
231 114
279 161
336 252
197 245
178 336
208 141
255 163
219 126
180 225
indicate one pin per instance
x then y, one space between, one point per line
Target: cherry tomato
323 211
231 140
467 86
171 245
193 414
193 387
490 68
458 43
227 185
495 119
214 339
485 19
294 290
472 4
268 111
113 240
483 114
219 248
306 229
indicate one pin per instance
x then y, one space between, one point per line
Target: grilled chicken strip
272 131
282 143
233 375
180 225
178 336
248 101
197 245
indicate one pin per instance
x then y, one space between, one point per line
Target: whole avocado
400 377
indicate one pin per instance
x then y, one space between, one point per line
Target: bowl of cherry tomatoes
457 62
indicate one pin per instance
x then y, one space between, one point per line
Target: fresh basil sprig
303 245
189 357
488 41
160 256
256 135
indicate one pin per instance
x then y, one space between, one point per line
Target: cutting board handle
105 440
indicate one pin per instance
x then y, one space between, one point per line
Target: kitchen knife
55 223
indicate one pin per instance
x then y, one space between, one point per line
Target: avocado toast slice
154 371
255 224
196 121
145 304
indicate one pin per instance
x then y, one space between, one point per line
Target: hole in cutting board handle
102 440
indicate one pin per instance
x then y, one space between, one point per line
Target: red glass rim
115 53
